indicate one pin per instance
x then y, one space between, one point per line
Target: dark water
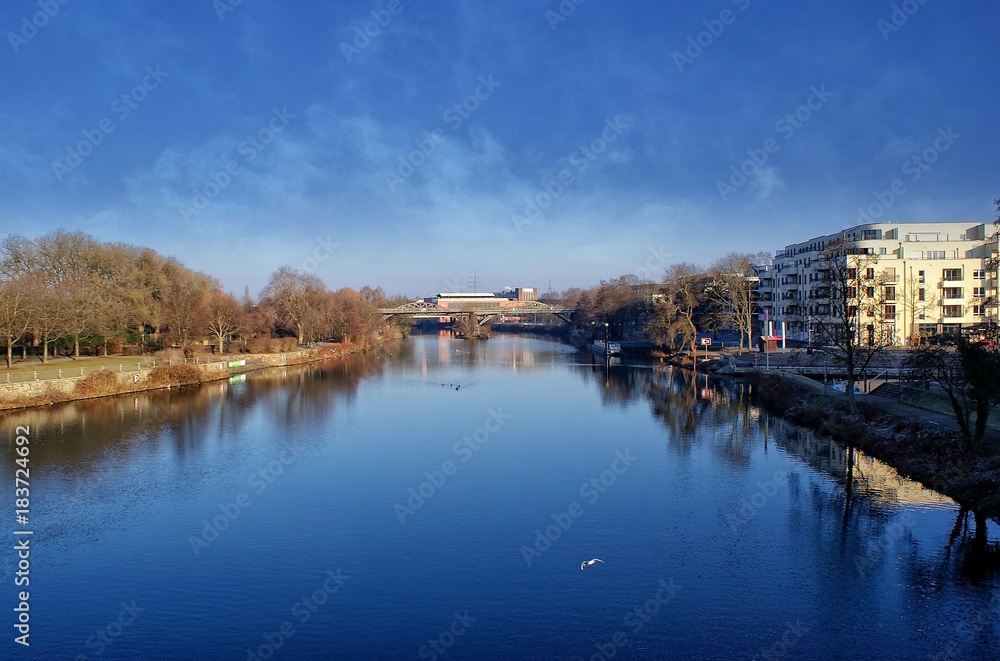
436 499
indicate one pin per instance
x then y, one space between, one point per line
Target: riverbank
919 444
108 383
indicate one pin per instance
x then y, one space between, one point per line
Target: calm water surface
435 499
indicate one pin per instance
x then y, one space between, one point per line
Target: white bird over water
588 563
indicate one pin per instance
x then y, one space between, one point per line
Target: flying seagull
588 563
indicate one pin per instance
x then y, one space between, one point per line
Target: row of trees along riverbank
69 290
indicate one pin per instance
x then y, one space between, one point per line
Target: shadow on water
86 441
695 408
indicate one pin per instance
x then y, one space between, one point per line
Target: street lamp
607 357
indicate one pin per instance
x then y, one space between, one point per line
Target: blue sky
409 143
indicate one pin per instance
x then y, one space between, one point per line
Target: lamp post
607 357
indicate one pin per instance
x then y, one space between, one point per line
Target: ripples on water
441 487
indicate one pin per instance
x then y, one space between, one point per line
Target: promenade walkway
32 368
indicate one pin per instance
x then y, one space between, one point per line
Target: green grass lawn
938 402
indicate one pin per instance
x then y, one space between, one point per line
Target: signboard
706 341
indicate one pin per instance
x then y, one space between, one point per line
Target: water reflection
760 521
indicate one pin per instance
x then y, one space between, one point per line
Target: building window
871 235
890 293
979 292
869 273
933 254
979 274
889 274
978 310
890 312
922 294
951 311
951 292
920 277
951 275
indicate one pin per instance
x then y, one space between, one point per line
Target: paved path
32 368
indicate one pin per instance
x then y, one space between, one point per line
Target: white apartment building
933 278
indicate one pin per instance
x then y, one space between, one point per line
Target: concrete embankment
105 383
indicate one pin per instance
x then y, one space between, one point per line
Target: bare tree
20 258
122 297
732 291
850 309
68 262
223 317
184 300
685 286
917 301
15 312
661 326
296 300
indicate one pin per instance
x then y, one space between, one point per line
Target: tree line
670 313
67 289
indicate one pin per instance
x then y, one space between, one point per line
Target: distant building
933 278
527 293
485 300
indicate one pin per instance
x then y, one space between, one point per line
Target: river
435 499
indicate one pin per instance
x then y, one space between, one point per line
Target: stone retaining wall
34 393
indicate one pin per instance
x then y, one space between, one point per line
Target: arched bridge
484 310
